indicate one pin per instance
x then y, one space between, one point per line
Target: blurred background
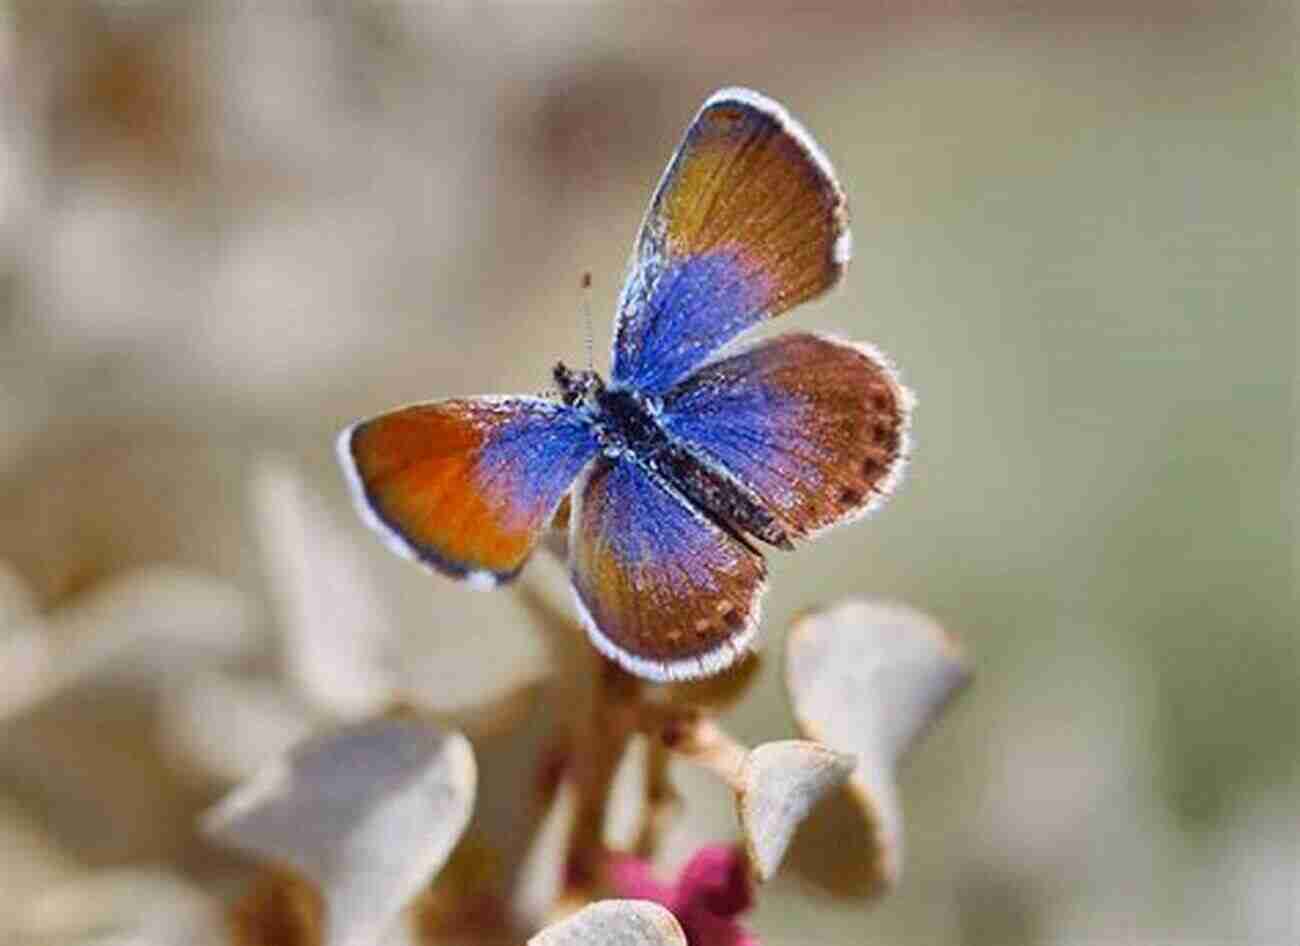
227 230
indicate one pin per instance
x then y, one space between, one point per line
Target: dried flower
711 891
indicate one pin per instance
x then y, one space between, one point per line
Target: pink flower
711 890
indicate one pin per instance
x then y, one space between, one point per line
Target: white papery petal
336 628
867 678
230 726
779 785
369 813
615 923
144 623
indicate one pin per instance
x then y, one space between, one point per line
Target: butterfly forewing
747 222
466 485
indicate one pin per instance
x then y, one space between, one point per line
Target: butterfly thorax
627 426
623 420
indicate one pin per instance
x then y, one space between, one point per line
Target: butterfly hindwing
663 590
466 485
747 222
815 427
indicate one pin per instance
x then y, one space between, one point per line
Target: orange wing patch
465 486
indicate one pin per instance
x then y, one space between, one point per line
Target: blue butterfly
688 456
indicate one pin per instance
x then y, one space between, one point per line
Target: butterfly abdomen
721 497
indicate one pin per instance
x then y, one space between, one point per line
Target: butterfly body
694 448
626 424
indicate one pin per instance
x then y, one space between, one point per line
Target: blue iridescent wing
466 486
747 222
815 428
662 589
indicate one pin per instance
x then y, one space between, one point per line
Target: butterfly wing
466 486
747 222
662 589
815 427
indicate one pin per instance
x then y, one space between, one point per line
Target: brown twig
696 737
600 740
616 708
661 802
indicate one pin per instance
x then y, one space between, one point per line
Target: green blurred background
228 230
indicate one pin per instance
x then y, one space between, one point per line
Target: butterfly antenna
586 312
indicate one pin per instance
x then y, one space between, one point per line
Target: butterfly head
578 388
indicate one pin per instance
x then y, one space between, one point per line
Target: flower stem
661 803
599 741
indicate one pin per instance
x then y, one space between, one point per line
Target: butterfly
694 451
